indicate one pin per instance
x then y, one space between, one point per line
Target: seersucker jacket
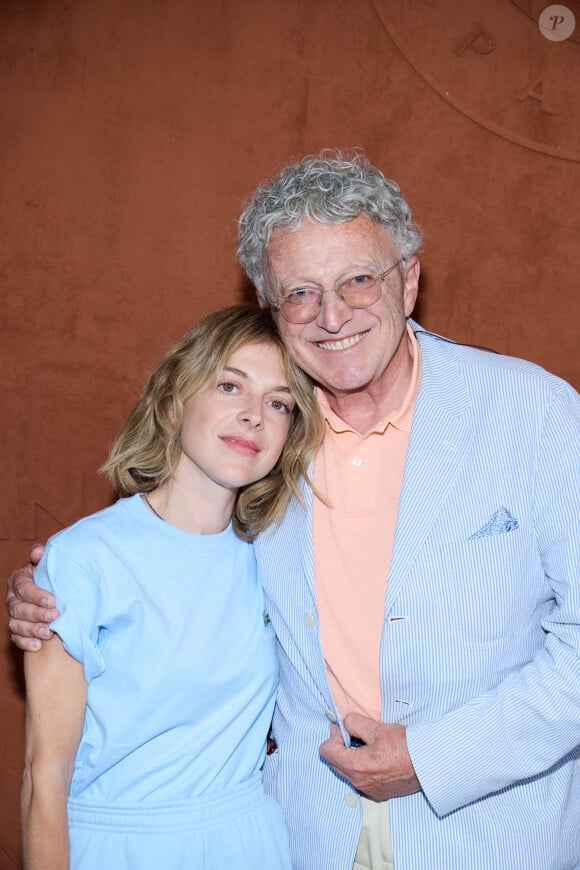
480 650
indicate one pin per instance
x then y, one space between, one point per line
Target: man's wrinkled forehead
306 242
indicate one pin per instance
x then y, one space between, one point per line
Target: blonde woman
148 710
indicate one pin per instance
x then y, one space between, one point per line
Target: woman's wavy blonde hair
147 449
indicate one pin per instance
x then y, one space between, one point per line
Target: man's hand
29 608
382 768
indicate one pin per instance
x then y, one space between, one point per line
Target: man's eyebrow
283 388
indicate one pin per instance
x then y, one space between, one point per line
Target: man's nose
334 311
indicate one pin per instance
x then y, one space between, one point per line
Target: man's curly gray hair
330 188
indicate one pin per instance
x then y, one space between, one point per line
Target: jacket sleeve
531 720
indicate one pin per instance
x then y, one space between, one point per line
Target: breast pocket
500 589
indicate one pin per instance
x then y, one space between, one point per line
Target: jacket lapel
441 436
286 562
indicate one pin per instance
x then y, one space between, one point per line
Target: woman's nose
252 413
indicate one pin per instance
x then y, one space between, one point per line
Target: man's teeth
343 344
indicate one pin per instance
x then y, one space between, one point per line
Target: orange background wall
130 134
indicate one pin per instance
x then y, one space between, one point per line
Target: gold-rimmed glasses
302 304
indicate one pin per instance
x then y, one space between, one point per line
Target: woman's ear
170 410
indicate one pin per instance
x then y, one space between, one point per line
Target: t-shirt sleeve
78 598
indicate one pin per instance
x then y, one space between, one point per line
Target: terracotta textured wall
130 134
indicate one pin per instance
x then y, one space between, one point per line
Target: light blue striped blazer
480 653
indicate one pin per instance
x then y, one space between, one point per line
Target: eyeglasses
303 304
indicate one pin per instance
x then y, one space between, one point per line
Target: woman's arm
56 696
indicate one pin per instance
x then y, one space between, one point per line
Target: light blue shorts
239 828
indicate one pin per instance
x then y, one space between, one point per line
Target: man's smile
343 343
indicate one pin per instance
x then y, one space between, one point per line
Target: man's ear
411 288
268 282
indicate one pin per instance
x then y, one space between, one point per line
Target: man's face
344 349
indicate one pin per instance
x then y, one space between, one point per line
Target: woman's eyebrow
234 371
283 388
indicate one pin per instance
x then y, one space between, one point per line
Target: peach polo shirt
362 475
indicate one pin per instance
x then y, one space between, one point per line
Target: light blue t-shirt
180 665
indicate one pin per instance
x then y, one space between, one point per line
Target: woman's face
232 434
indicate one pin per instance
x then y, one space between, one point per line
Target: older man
429 610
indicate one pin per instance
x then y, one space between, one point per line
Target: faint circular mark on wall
492 64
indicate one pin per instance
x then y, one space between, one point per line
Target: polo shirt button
309 620
350 799
357 462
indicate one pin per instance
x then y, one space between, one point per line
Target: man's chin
345 385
